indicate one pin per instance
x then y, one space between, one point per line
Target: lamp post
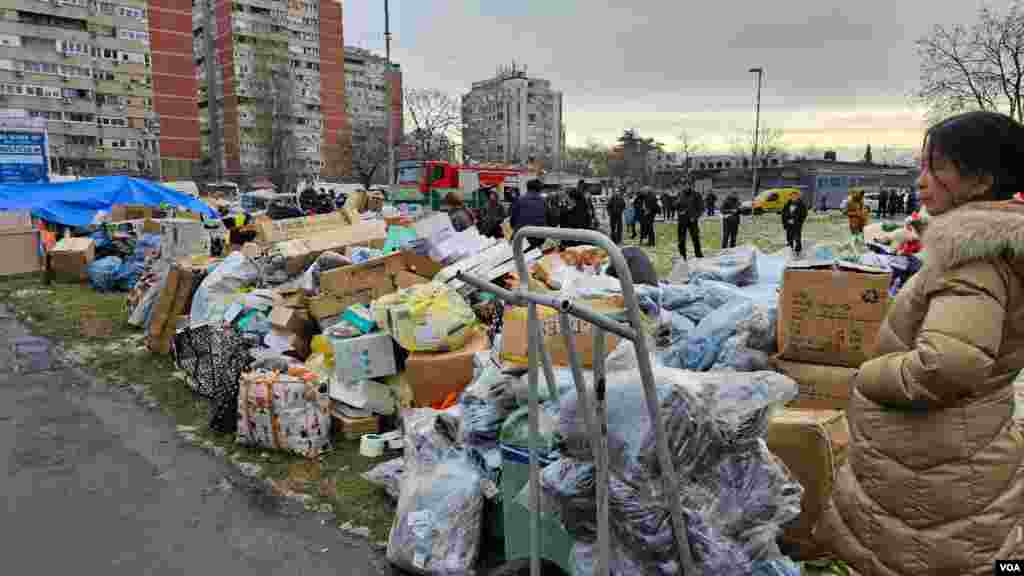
757 126
389 142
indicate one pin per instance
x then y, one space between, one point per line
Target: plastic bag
486 402
515 431
438 520
568 490
584 560
705 343
324 262
736 355
388 476
127 274
103 273
284 412
733 265
429 436
220 287
426 317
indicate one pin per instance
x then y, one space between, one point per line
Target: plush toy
913 230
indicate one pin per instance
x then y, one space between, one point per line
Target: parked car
774 199
747 207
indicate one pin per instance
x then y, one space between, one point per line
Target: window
532 117
111 121
133 35
131 12
10 40
822 182
79 117
71 47
836 181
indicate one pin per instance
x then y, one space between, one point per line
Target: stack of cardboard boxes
828 323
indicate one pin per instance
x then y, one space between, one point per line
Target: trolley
595 418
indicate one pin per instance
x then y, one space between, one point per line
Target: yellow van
773 199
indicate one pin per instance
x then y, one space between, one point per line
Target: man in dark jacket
793 215
651 210
666 205
711 201
530 210
883 204
578 213
639 205
730 220
616 206
691 207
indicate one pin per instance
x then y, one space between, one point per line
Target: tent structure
78 203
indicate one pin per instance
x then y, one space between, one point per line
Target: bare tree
771 144
688 148
274 90
589 160
369 152
975 67
435 118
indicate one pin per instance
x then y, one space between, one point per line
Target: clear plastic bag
438 520
486 402
388 476
103 273
705 343
734 265
220 287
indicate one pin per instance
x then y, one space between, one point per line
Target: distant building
512 118
366 90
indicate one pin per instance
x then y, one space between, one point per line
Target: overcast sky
837 74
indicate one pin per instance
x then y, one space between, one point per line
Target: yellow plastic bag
425 318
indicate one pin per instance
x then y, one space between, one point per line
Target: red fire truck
427 182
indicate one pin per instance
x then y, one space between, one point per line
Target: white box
364 358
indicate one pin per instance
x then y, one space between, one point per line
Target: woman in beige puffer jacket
934 482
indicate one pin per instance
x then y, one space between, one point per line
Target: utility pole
390 143
212 104
757 125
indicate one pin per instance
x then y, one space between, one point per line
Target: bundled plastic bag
705 343
324 263
568 489
734 265
220 287
426 317
388 476
736 355
438 521
430 435
284 412
486 402
103 273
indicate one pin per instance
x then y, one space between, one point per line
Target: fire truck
427 182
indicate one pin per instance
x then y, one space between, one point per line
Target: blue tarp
77 203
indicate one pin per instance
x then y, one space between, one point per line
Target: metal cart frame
595 420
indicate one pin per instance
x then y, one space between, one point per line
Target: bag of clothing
388 476
284 412
219 289
733 265
705 342
103 273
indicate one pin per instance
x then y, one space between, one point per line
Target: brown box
514 340
813 444
268 230
375 273
420 265
292 320
822 387
405 279
19 243
432 376
291 298
174 301
70 258
301 252
122 212
831 315
354 428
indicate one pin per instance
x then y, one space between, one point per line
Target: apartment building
90 68
228 42
513 118
366 89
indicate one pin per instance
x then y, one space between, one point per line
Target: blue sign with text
23 158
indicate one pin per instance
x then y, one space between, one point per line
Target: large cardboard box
420 265
378 272
301 252
364 358
268 230
70 259
822 387
432 376
831 315
405 279
292 320
19 244
813 444
515 340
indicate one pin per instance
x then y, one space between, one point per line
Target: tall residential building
366 90
512 118
308 33
90 69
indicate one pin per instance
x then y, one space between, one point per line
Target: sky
838 75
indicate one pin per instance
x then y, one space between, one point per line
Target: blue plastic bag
103 273
705 343
127 274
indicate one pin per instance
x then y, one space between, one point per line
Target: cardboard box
19 243
328 306
288 343
376 273
292 320
122 212
364 358
432 376
831 315
813 444
822 387
268 230
514 339
405 279
302 252
355 428
70 259
420 265
291 298
364 395
180 238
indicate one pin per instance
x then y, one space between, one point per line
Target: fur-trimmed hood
976 231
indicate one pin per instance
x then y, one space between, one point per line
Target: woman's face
942 187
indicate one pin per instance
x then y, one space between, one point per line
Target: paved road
95 484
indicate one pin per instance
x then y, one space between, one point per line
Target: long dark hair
981 144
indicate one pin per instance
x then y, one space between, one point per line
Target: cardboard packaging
19 243
288 343
831 315
420 265
822 387
268 230
122 212
432 376
514 339
291 298
405 280
365 395
364 358
376 274
813 444
180 237
70 259
173 302
301 252
291 320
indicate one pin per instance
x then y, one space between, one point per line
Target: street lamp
757 125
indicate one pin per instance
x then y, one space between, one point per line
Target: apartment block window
10 40
133 35
111 121
107 8
532 117
79 117
131 12
46 114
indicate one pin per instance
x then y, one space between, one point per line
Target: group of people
893 203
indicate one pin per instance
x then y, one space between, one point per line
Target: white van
184 186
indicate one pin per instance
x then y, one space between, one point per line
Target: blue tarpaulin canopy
77 203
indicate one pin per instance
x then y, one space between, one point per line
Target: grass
92 329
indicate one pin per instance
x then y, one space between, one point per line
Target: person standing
651 210
530 210
730 220
934 476
857 213
711 201
666 206
577 214
883 204
461 216
794 213
493 214
690 210
616 207
638 214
